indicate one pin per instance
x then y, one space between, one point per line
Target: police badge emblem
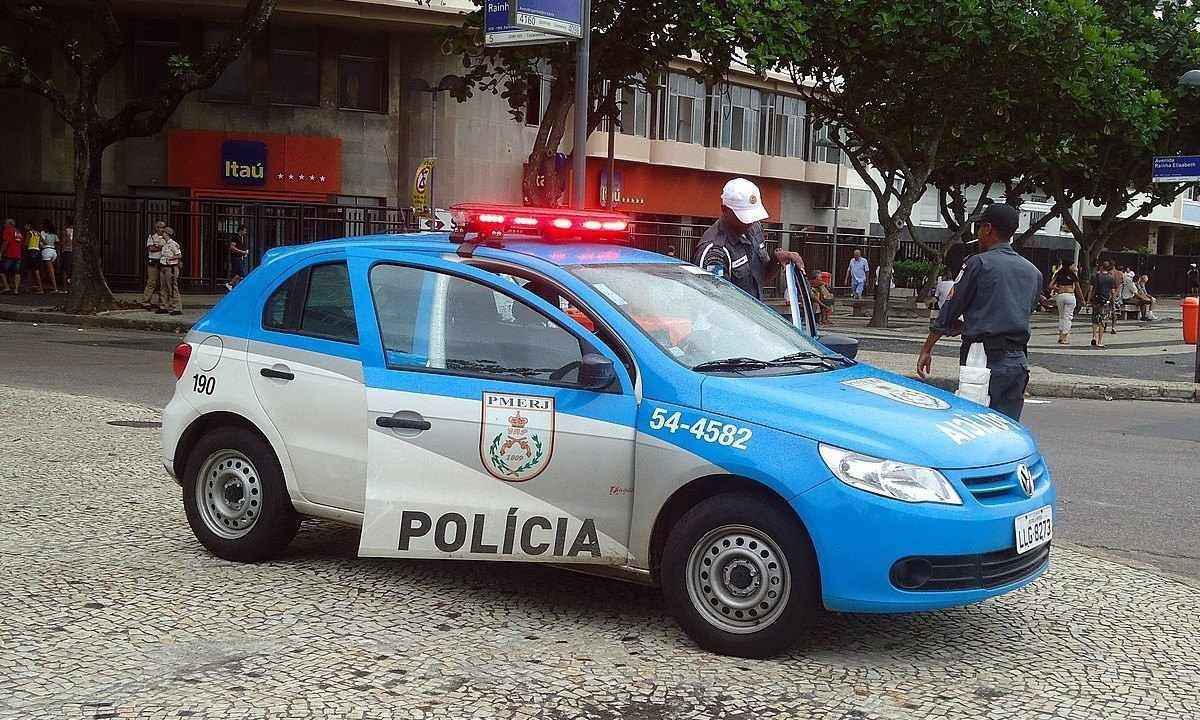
516 437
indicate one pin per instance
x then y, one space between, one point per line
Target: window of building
295 66
783 118
823 197
154 42
362 83
234 83
537 96
820 151
735 117
635 112
685 109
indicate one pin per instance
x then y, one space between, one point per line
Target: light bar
546 224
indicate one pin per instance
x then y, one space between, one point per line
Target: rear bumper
859 538
176 417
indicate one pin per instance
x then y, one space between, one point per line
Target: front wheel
235 498
739 575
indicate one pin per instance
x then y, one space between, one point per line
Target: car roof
557 253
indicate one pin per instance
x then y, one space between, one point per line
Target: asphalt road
1126 471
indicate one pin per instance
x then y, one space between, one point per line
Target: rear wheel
739 575
235 498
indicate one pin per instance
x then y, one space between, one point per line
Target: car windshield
703 321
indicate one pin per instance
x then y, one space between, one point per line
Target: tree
90 40
632 43
1137 111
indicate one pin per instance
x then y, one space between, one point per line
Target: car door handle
278 374
402 423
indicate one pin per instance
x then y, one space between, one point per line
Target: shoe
147 306
1094 343
160 311
176 312
228 287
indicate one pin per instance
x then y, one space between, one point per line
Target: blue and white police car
530 388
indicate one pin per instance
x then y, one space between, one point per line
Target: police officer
734 246
995 295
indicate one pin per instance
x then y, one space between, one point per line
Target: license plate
1034 529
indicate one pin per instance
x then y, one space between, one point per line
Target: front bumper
859 538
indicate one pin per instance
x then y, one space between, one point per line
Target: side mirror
840 344
596 372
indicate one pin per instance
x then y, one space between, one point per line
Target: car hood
867 410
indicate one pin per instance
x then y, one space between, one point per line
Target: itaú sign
244 162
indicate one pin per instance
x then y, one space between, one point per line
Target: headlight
910 483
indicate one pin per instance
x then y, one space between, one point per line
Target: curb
1128 390
95 321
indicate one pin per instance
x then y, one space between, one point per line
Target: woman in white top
50 254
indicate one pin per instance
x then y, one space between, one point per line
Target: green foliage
179 65
912 273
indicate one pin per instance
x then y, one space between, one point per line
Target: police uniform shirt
995 294
741 257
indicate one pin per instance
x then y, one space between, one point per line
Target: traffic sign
557 17
1176 168
498 31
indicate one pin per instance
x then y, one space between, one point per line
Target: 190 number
703 429
204 384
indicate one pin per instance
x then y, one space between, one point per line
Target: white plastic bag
974 377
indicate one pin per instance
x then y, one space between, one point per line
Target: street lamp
446 84
827 142
1191 78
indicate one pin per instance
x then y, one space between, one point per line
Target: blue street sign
499 31
1176 168
558 17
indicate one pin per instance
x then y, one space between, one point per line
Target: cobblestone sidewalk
112 610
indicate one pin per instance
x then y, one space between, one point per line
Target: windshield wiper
733 363
799 358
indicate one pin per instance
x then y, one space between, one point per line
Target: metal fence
203 227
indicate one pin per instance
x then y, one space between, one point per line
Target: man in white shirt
152 296
857 273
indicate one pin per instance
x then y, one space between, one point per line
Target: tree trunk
883 286
90 293
545 146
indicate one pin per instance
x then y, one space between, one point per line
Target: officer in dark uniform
995 295
734 246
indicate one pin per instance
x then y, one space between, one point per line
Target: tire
247 515
766 579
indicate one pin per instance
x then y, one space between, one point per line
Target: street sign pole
582 71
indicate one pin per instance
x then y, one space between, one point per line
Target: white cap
742 197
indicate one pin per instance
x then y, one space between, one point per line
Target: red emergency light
492 223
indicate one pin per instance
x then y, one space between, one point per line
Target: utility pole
582 71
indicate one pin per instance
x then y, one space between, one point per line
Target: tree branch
15 72
146 115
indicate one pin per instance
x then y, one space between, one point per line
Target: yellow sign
422 192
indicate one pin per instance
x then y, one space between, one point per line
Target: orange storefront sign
671 190
299 165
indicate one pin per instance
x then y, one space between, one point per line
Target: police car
530 388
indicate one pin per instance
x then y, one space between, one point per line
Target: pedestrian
10 256
50 254
1104 291
857 273
734 246
822 298
237 259
995 296
33 257
66 252
152 296
1193 280
944 288
1118 305
172 265
1145 301
1063 287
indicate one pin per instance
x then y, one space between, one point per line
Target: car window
329 305
471 328
396 291
275 310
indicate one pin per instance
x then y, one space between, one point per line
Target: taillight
183 353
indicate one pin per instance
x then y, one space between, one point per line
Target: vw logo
1026 479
